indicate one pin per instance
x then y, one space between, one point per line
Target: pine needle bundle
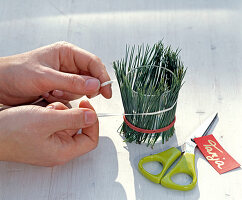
149 79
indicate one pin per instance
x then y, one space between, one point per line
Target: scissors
186 164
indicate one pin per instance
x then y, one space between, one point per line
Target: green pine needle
146 86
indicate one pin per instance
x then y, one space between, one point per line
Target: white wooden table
210 35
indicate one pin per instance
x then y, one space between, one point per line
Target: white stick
107 83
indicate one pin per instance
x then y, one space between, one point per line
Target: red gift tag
215 154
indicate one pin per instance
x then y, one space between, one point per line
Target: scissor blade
205 127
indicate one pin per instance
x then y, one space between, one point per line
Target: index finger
73 56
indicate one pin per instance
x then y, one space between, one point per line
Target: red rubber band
141 130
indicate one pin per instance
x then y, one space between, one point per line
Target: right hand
47 136
58 72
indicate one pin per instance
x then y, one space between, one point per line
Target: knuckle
97 59
62 44
76 119
76 81
103 74
65 48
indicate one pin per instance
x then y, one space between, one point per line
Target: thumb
77 84
88 140
75 118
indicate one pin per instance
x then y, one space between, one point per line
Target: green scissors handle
185 165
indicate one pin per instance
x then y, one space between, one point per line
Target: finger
74 118
92 96
65 95
73 83
86 104
88 140
51 99
106 91
57 106
61 106
84 61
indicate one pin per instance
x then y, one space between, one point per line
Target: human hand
47 136
58 72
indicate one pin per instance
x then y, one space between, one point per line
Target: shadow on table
91 176
145 189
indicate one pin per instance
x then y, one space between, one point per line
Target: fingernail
45 95
57 93
50 106
90 117
92 84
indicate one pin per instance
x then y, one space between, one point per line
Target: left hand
58 72
47 136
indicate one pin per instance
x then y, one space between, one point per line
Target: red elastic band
141 130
